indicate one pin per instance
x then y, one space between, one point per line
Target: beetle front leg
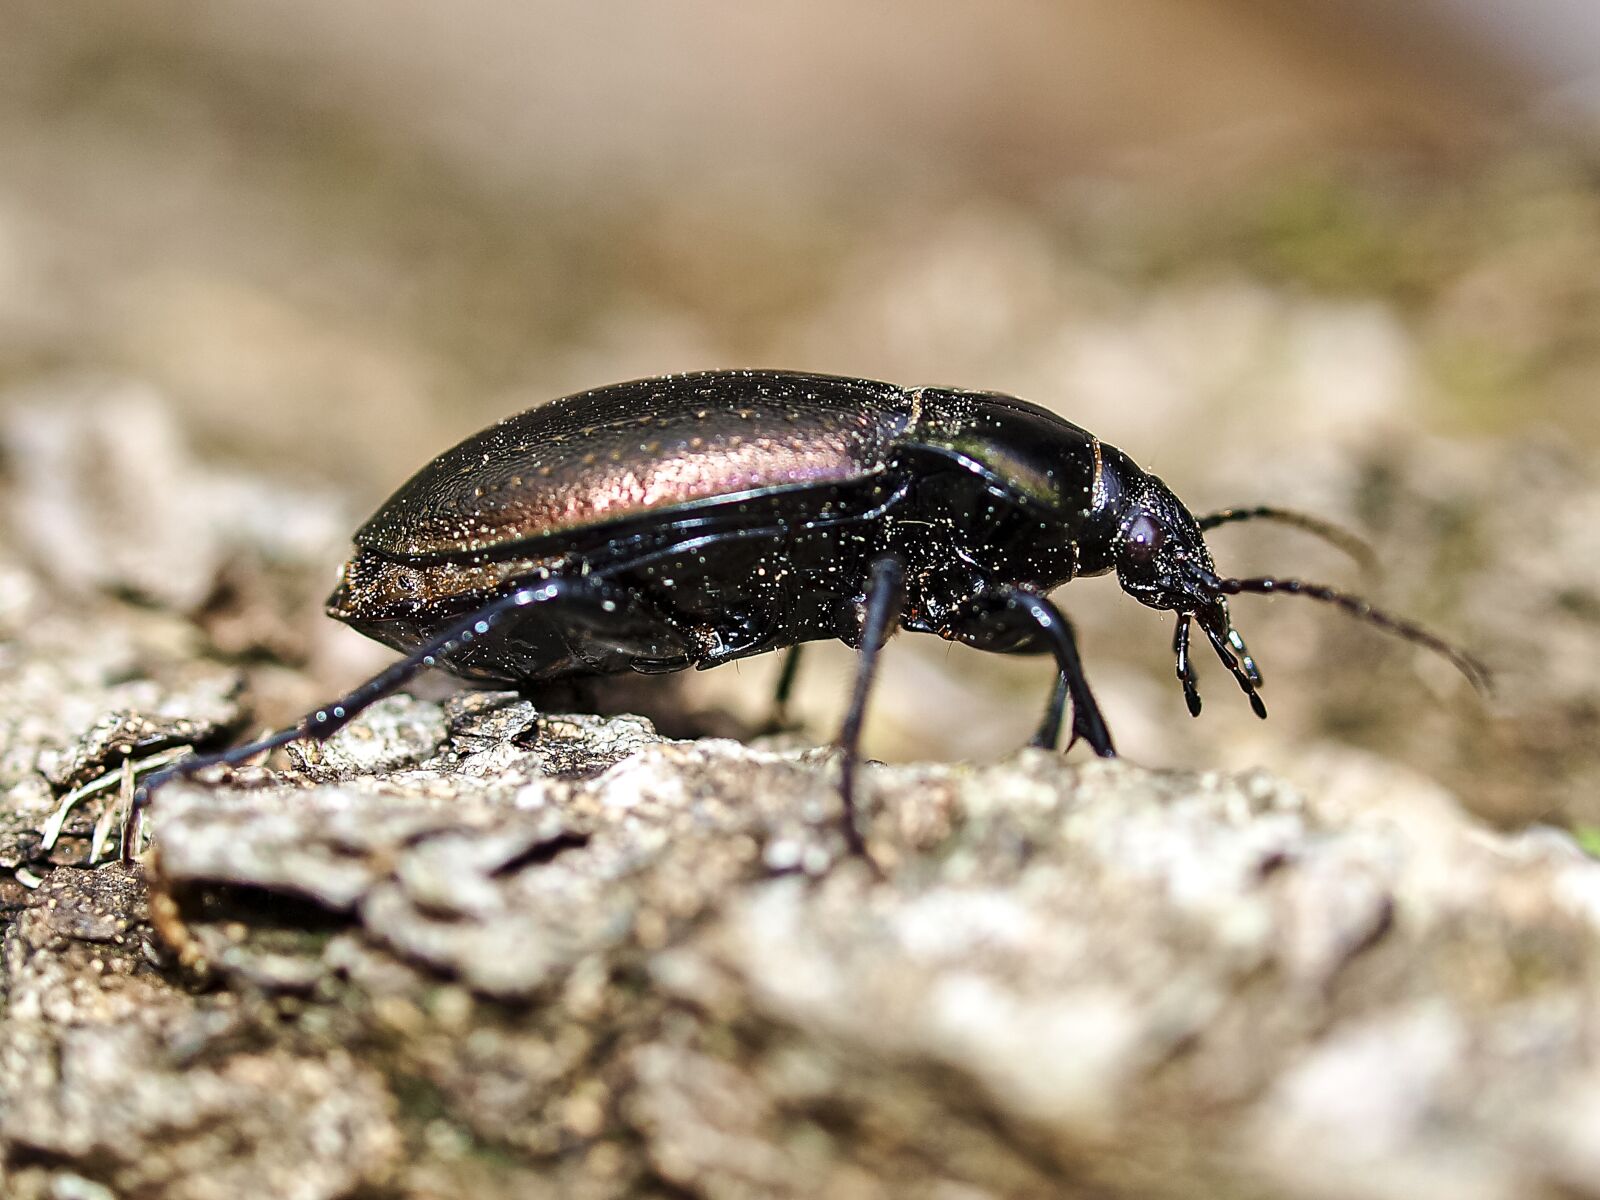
328 720
1185 666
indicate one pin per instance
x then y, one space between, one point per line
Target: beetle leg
1186 675
885 595
779 719
1049 735
1248 664
326 721
988 621
133 816
1087 721
1245 678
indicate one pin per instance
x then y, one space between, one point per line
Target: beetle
692 520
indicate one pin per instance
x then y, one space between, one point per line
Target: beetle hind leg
133 816
330 718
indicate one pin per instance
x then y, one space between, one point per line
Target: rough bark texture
475 948
499 953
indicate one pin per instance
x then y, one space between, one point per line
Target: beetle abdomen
620 451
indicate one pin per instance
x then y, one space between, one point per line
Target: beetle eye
1144 537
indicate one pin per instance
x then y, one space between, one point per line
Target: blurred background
1342 256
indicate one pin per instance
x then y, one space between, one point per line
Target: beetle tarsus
133 818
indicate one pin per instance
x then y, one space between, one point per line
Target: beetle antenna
1357 547
1477 674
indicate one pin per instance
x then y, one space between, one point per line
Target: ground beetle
691 520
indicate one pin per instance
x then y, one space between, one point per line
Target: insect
691 520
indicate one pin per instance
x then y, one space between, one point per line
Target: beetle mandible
691 520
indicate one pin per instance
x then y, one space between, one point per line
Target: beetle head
1162 560
1161 556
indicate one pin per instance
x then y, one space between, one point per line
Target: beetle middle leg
1049 735
778 718
990 621
885 595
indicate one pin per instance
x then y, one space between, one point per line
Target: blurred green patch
1588 839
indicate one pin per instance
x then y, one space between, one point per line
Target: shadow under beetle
691 520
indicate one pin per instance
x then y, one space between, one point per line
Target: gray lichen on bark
460 971
472 947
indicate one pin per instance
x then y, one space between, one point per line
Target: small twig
51 829
109 818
